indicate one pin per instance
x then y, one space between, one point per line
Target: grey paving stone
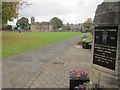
56 76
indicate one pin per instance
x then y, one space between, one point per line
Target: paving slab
56 72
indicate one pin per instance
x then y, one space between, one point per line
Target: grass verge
15 43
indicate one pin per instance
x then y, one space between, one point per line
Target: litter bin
74 83
86 45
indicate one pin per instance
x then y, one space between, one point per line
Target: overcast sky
69 11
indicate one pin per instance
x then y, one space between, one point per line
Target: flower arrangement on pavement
86 38
80 80
78 74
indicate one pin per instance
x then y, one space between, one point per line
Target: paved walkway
56 73
19 69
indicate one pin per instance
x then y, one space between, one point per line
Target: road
18 70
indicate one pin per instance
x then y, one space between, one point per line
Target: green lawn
15 43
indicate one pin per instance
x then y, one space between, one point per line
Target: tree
8 27
23 23
88 24
66 27
10 10
57 23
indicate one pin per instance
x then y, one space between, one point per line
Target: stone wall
41 28
107 14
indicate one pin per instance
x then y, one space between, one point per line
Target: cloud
71 11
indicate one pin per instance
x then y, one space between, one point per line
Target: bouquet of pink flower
78 74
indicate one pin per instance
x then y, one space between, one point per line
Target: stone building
76 27
41 26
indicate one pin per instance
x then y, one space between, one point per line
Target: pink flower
78 76
78 70
85 72
84 87
78 73
71 71
84 84
82 72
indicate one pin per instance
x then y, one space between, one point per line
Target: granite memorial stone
106 50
